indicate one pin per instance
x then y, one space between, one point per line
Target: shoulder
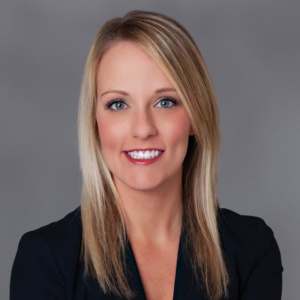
47 257
241 223
58 235
250 247
244 230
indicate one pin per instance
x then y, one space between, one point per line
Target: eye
117 104
167 102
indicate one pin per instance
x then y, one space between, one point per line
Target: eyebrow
126 94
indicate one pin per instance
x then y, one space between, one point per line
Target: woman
149 225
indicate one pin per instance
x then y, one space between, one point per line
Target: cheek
177 130
110 133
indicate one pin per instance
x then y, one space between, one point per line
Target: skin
151 194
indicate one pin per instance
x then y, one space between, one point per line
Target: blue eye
118 104
166 102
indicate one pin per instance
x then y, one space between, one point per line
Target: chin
142 184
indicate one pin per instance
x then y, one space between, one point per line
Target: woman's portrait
161 210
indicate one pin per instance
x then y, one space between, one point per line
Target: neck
153 215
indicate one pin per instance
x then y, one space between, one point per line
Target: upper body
149 140
48 264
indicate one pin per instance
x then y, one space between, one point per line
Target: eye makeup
120 100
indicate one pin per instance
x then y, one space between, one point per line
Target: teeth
140 155
144 155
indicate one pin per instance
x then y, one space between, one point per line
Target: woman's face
139 109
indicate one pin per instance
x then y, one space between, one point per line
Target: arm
35 273
265 280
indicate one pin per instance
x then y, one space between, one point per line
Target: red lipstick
145 149
143 161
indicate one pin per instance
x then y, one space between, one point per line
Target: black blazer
48 266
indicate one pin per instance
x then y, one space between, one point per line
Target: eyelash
110 103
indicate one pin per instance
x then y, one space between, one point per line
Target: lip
143 161
145 149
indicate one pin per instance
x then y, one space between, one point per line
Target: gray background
252 52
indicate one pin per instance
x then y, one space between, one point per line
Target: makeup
143 161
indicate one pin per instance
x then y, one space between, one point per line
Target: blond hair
104 234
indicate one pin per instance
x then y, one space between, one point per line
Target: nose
143 125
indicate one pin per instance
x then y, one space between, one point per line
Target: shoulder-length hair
104 235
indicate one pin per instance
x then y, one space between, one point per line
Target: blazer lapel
133 275
186 286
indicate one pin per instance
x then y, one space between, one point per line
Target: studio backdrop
252 53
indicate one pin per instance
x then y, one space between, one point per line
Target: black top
48 266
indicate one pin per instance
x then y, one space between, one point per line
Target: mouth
144 154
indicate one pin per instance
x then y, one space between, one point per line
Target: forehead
127 66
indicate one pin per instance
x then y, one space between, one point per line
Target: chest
157 269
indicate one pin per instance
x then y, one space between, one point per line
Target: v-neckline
137 283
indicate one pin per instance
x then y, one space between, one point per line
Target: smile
143 157
144 154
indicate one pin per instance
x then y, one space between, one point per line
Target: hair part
103 219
